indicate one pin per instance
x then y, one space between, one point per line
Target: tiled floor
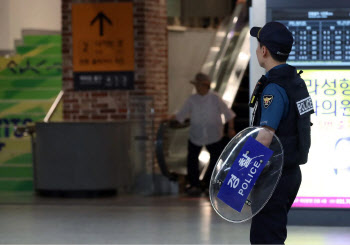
27 219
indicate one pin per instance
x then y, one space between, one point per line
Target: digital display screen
322 50
320 42
326 175
321 37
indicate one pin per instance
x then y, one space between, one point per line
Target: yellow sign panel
103 37
327 172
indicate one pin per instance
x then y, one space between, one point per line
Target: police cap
275 36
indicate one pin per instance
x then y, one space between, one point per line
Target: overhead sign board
103 46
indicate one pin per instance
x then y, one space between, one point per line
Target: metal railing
54 106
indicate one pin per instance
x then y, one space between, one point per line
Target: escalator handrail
160 146
159 151
231 28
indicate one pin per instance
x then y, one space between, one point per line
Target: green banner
29 83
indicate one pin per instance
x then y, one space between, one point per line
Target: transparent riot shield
246 174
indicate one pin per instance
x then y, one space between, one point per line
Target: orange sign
103 37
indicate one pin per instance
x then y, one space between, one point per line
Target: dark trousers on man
193 163
269 226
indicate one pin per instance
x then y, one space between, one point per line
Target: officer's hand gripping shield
246 175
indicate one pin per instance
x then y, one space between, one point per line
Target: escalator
226 63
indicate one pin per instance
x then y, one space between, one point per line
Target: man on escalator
205 110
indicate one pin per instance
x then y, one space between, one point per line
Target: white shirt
205 113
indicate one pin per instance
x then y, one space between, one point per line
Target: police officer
283 106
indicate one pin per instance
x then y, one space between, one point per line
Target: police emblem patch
267 100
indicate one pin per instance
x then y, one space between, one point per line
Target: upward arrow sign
101 17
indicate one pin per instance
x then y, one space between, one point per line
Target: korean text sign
103 45
244 173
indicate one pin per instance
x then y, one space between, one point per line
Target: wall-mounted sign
103 46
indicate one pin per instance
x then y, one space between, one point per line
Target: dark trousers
269 226
193 163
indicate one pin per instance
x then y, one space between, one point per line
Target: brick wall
151 85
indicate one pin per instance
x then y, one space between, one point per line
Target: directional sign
101 17
103 46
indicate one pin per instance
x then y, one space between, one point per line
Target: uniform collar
276 67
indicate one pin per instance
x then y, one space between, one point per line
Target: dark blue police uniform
272 113
270 224
284 104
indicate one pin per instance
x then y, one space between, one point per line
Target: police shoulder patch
267 100
305 105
